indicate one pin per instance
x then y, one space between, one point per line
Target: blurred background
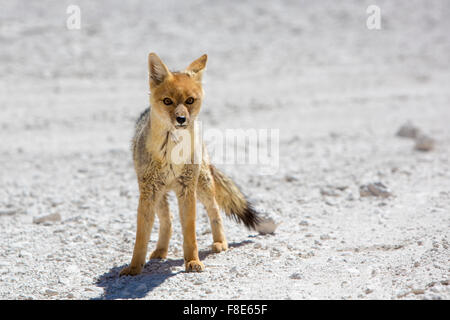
272 58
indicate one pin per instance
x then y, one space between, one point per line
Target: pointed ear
157 70
197 67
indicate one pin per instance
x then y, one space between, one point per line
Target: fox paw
159 254
195 266
130 271
219 246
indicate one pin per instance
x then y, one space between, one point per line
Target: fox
175 102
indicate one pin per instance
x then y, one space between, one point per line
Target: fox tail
232 201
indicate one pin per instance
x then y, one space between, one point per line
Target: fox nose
181 120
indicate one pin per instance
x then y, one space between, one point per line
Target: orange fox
175 102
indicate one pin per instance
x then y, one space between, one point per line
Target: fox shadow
154 274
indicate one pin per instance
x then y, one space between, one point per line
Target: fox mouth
180 126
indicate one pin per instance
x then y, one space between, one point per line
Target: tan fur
157 174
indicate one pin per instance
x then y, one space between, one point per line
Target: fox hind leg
206 196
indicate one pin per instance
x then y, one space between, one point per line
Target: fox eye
189 100
167 101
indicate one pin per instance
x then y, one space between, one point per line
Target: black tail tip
250 217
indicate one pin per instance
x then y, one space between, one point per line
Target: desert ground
337 92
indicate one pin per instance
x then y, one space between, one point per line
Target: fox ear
157 70
197 67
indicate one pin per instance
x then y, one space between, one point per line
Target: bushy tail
232 201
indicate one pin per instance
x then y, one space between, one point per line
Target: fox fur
175 102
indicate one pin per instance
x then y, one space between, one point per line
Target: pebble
306 255
408 130
267 226
376 189
54 217
325 237
296 275
368 290
328 191
50 292
424 143
7 212
418 291
290 178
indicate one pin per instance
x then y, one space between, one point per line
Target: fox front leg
145 219
187 206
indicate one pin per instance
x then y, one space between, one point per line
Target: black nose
181 120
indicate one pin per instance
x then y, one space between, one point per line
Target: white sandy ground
337 91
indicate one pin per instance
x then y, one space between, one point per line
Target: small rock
50 292
424 143
257 245
304 223
267 226
306 255
7 212
296 276
408 131
401 293
376 189
329 192
234 270
199 282
418 291
325 237
364 191
290 178
368 290
275 253
54 217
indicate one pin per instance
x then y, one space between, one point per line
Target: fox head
176 97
